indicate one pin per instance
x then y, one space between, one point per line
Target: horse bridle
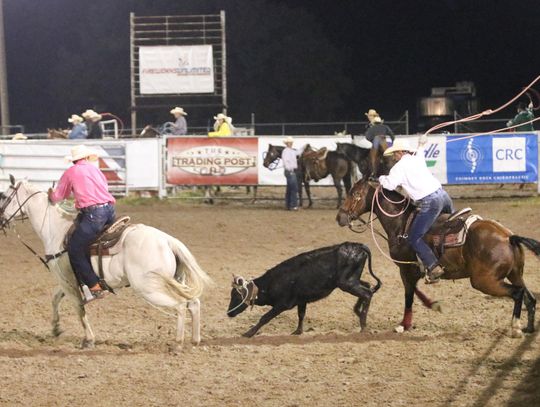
7 200
273 164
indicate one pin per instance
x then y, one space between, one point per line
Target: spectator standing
524 115
289 156
78 131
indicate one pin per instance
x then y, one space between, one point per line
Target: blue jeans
91 223
431 207
291 193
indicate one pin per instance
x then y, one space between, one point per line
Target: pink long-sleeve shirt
88 184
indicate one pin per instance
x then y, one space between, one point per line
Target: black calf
306 278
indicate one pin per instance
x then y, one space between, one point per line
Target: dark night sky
287 60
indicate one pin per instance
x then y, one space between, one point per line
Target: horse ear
12 179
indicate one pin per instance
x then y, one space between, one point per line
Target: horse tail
191 279
379 282
531 244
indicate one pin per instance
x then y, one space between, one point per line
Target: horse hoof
87 344
516 333
56 332
528 330
248 334
196 342
437 306
399 329
297 332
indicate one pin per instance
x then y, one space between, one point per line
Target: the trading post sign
176 69
212 161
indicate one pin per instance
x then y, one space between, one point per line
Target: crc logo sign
509 154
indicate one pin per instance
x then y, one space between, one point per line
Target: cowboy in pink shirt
89 187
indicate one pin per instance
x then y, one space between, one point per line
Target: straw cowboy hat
88 113
399 145
81 151
19 136
221 116
179 110
75 118
371 113
91 114
288 140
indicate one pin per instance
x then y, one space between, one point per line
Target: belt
92 207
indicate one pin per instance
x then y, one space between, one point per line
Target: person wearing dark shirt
377 134
524 114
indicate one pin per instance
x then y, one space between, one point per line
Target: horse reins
373 216
5 222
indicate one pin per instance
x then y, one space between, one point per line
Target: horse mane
63 210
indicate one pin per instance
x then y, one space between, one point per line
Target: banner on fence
492 159
212 161
176 69
274 175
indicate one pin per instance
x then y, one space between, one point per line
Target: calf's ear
12 179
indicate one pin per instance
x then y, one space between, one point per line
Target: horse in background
358 155
363 157
318 164
149 132
273 154
57 134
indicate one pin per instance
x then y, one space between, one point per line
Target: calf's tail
531 244
379 283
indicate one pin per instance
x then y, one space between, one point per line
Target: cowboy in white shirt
412 174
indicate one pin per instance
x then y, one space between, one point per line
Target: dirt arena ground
462 357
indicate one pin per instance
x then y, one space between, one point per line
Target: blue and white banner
484 159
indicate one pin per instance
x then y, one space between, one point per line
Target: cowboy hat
88 113
179 110
96 117
19 136
399 145
288 140
371 112
221 116
75 118
81 151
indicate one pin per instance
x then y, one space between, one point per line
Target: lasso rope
374 201
487 112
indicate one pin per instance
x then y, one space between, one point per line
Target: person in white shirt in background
290 164
412 174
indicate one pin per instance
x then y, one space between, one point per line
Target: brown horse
57 134
318 164
491 253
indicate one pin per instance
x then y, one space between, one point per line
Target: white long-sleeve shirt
288 156
411 173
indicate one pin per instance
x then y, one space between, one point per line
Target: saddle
448 230
108 242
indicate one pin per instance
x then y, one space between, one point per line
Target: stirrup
105 286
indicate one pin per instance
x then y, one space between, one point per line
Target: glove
422 140
509 123
530 105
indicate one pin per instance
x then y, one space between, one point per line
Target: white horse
157 266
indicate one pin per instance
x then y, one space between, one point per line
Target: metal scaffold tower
147 32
